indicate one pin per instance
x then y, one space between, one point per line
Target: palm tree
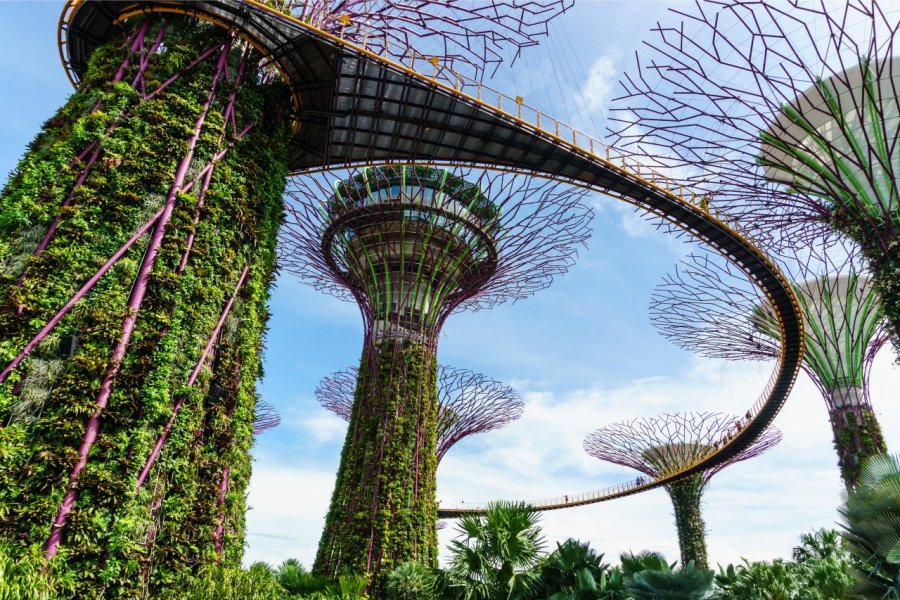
871 514
649 577
294 578
496 555
573 572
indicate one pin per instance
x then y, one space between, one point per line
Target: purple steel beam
220 502
135 300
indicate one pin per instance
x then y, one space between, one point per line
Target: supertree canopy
411 245
470 37
708 307
786 114
666 444
468 403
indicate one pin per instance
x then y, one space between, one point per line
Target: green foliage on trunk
857 436
686 495
117 541
383 510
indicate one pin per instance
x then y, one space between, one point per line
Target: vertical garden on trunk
172 154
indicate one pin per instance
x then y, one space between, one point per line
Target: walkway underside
355 107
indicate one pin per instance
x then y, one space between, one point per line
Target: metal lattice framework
657 446
471 37
359 107
413 244
707 306
782 112
470 403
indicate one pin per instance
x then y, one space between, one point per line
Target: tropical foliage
871 514
496 555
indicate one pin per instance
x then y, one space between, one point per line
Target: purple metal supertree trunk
411 245
709 307
660 446
469 403
785 115
472 38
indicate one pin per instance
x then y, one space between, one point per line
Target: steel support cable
547 149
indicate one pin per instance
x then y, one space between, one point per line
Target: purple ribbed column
220 528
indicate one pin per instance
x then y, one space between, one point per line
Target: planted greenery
383 510
871 515
116 541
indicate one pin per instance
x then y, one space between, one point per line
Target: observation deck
354 107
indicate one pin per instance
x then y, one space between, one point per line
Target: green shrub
410 581
221 583
297 581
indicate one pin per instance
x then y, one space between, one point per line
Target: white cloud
592 98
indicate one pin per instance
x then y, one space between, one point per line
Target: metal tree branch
266 417
470 37
708 307
522 233
657 446
469 403
785 115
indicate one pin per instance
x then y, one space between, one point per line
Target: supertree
710 308
411 245
468 403
785 113
659 446
140 220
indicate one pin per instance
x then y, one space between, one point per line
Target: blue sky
582 352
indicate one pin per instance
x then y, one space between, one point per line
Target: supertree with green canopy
469 403
663 445
785 114
141 218
411 245
707 306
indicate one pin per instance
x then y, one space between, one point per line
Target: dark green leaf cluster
355 190
871 515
